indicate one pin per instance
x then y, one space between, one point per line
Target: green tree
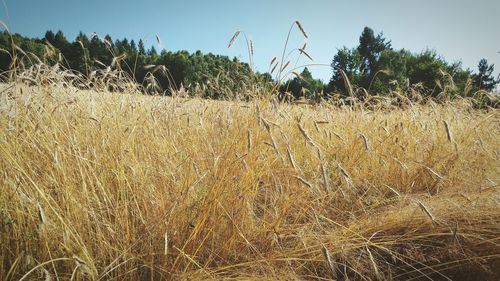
60 42
152 52
484 79
304 85
123 46
50 36
142 49
370 48
5 59
133 47
99 52
360 64
347 61
392 72
379 69
78 54
30 47
427 69
220 75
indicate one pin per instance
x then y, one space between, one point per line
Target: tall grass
98 185
105 186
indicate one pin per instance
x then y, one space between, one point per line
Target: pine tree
370 48
50 36
485 80
152 52
140 46
60 42
133 47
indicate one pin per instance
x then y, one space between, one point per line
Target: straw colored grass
103 186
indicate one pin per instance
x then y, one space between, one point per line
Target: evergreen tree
83 38
50 36
376 67
108 41
123 46
78 54
484 79
348 61
5 58
61 43
370 48
304 85
142 49
152 52
133 47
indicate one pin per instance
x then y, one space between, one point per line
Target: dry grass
102 186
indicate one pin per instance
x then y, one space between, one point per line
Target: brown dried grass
101 186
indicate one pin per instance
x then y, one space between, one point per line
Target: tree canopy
373 65
484 79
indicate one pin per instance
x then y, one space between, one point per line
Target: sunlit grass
102 186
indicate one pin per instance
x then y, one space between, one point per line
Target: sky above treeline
458 30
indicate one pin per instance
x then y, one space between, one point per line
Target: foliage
373 67
303 85
348 61
220 76
370 48
379 69
484 79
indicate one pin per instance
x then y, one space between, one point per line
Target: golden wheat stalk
302 51
233 39
306 136
374 264
366 142
274 67
305 182
301 29
427 211
448 131
41 214
285 66
249 140
332 266
272 61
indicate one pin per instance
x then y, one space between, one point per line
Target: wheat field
107 186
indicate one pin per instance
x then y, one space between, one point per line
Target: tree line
85 55
373 66
376 66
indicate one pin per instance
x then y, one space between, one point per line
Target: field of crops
107 186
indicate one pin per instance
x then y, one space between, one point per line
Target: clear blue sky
459 30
